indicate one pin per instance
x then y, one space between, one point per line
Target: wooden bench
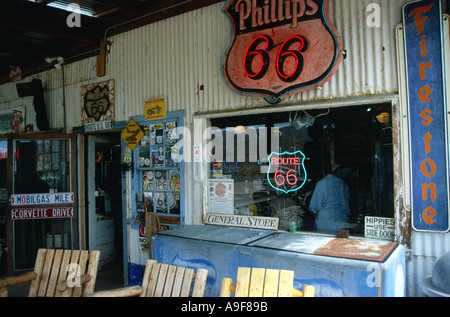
259 282
163 280
51 276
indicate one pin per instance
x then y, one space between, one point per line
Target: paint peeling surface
359 249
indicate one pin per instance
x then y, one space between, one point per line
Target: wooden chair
51 276
263 283
163 280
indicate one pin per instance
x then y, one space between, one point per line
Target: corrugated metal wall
180 59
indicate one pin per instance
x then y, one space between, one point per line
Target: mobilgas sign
422 26
279 47
41 199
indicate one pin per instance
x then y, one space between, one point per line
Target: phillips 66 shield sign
279 47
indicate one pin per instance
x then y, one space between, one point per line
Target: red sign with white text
280 47
41 213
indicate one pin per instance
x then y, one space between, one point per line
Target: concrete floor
107 279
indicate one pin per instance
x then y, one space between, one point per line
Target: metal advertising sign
279 47
427 115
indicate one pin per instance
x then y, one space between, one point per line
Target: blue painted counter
335 267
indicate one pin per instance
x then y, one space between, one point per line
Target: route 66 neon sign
287 172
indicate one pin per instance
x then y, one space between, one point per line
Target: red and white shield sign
280 47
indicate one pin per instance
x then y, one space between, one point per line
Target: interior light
239 129
383 118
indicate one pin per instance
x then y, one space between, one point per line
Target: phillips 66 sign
280 47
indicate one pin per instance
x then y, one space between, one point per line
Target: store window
321 170
44 205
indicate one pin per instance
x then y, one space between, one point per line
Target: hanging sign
41 199
287 172
41 213
155 109
279 47
132 134
427 115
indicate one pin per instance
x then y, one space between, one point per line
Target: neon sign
288 169
279 47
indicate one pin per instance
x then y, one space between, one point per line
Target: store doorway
104 199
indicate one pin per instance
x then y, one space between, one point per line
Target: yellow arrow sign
132 134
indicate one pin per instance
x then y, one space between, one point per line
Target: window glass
41 166
160 172
323 170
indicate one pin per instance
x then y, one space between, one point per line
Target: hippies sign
279 47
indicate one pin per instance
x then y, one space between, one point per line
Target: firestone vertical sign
279 47
422 26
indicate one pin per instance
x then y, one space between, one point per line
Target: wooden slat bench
51 271
259 282
163 280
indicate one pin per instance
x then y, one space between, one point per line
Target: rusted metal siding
180 59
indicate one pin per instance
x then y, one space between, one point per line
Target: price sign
287 172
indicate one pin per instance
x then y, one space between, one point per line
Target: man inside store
329 203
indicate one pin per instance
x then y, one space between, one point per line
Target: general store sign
423 33
254 222
41 213
41 199
279 47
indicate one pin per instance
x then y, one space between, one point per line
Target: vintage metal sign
287 172
98 102
132 134
427 115
41 213
41 199
279 47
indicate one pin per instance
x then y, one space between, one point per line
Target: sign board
423 36
41 199
379 228
254 222
132 134
98 126
279 47
155 109
221 196
12 120
287 172
98 102
41 213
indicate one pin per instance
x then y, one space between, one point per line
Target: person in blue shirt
329 203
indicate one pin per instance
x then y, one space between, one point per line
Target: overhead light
239 129
383 118
305 121
59 59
